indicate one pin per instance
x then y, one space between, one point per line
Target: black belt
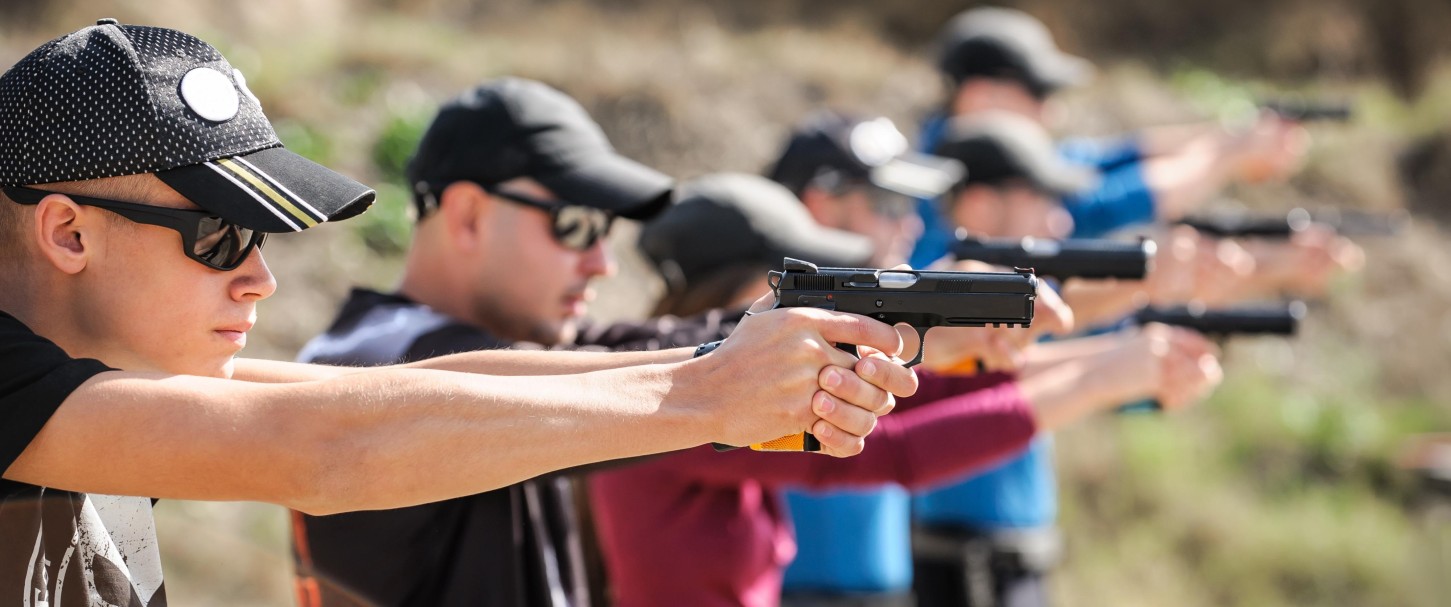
1029 550
848 599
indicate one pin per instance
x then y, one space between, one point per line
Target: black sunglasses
210 240
574 226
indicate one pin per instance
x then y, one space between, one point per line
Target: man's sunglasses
573 226
210 240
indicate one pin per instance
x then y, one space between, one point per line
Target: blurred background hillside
1280 491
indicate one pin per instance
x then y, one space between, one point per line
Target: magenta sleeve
924 443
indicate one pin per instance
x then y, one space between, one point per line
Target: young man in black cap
516 188
140 178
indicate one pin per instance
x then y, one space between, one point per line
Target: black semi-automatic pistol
1062 259
921 299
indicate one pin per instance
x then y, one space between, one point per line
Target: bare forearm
1099 301
1044 356
1074 390
490 362
359 441
515 362
492 432
1184 180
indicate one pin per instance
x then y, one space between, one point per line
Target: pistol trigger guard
921 348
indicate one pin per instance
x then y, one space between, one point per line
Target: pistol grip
796 442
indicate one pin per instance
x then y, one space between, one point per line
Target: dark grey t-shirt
516 546
61 548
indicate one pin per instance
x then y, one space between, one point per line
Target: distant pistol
1346 222
1062 259
1310 111
917 298
1267 319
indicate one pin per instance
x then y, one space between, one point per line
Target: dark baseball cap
871 150
999 146
510 128
726 219
113 100
1005 43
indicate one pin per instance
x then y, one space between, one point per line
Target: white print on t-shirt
113 541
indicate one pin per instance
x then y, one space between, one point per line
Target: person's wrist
691 394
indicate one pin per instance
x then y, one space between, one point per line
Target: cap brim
827 247
1066 179
613 183
1061 71
271 190
918 175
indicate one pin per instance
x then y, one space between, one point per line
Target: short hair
13 215
12 219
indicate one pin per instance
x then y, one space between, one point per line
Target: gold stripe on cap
267 190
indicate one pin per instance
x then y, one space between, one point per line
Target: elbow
327 473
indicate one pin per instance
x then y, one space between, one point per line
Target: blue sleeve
937 233
1121 199
1104 154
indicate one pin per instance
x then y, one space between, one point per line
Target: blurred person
990 539
140 178
707 528
998 59
515 191
854 544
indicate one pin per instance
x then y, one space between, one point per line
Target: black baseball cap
1000 146
113 100
726 219
871 150
1005 43
510 128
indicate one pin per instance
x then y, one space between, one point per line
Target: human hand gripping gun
920 299
1061 259
1264 319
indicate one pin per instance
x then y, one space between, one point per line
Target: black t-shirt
60 548
516 546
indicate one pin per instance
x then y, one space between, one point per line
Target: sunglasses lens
578 227
222 244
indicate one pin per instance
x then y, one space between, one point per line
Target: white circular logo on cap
242 84
877 142
210 94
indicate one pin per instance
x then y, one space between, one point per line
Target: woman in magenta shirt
702 528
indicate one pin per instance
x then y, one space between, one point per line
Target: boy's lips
236 333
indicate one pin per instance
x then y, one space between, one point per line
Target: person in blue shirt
855 546
1005 60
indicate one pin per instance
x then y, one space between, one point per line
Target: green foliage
387 227
396 142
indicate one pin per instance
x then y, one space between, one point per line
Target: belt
1034 550
902 598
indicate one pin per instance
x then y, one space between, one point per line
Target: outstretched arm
388 438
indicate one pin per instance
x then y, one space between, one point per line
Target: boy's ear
64 233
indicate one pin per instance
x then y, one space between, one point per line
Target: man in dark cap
139 179
515 189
